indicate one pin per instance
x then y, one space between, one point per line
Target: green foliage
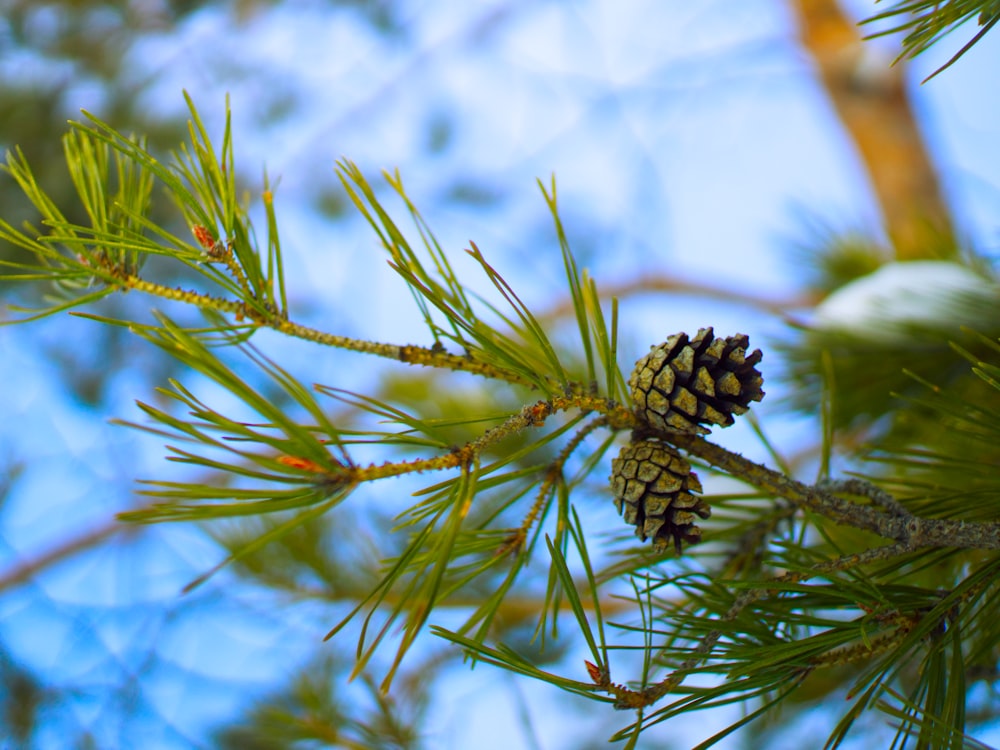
894 596
926 22
114 176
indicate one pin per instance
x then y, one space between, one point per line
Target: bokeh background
703 163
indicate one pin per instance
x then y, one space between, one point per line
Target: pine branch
813 592
927 22
887 518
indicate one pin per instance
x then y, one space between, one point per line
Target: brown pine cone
653 489
685 383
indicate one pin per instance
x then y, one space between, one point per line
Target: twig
413 355
863 488
552 475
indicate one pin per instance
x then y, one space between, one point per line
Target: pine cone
685 383
652 486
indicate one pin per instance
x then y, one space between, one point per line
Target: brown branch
884 516
875 109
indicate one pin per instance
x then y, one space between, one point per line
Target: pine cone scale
728 384
664 381
704 383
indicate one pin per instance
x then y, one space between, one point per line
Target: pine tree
879 584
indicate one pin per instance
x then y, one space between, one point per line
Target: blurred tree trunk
874 105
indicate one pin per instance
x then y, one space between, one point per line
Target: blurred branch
874 106
25 570
665 283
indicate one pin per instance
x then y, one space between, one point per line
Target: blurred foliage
22 698
866 375
312 712
953 444
829 256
